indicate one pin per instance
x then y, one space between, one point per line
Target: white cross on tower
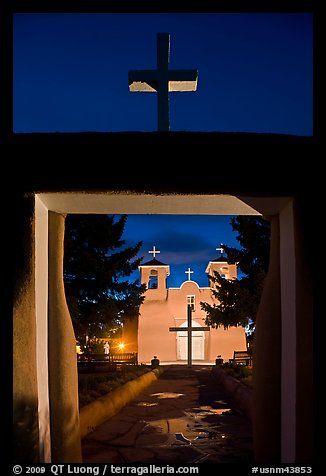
189 273
154 251
220 249
162 80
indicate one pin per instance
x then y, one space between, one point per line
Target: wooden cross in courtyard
189 330
162 80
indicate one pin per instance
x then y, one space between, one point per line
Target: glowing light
121 346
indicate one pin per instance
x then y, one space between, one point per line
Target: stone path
184 417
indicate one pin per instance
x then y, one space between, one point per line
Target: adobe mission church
164 308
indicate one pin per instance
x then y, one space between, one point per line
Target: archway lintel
111 202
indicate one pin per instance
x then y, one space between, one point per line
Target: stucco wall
151 340
266 415
266 196
156 316
63 379
25 389
306 331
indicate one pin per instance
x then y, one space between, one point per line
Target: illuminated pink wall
167 307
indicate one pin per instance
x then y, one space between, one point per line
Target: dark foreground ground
184 417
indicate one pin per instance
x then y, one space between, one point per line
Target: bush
93 386
238 371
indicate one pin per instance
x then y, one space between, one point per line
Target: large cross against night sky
189 330
163 80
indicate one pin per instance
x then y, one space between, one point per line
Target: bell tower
221 265
154 273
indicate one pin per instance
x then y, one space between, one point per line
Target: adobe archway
281 341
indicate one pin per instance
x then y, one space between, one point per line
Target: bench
242 357
105 362
126 358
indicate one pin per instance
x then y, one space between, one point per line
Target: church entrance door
198 340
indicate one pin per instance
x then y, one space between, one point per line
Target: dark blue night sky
183 241
255 74
255 71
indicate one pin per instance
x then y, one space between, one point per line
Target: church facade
164 310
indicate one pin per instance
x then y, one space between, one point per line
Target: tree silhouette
96 266
238 299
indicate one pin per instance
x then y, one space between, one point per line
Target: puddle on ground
166 395
220 411
179 428
189 429
204 410
146 404
216 411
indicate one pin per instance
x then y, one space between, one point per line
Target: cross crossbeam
189 330
220 249
163 80
154 251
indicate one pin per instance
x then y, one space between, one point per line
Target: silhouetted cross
162 80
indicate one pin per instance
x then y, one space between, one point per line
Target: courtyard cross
189 273
163 80
154 251
189 330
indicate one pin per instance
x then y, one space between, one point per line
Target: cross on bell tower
220 249
163 80
154 274
154 251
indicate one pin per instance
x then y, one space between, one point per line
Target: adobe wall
276 181
63 378
306 332
156 316
25 389
266 403
222 341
